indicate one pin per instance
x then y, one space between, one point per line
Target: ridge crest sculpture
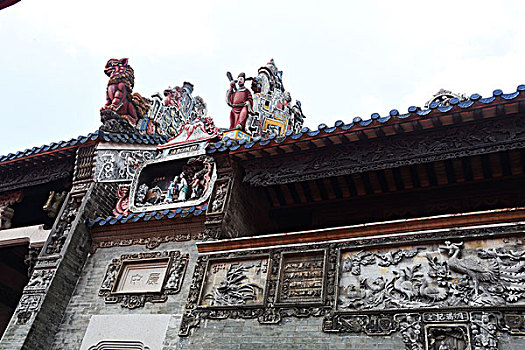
266 110
126 111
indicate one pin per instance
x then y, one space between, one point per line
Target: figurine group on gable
190 184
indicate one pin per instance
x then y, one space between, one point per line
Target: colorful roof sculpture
128 112
270 110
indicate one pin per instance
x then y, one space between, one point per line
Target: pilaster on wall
235 208
46 296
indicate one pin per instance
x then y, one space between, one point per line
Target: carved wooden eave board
473 139
37 170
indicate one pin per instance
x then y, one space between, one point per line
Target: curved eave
476 108
55 149
147 216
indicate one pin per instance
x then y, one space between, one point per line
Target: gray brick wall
220 334
86 301
292 333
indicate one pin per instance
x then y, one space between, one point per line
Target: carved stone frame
176 264
214 260
409 323
280 281
188 203
223 180
269 312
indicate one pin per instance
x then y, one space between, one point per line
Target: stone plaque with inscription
142 276
302 276
135 279
235 282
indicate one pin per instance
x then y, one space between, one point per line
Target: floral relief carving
440 294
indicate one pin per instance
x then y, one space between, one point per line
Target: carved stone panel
446 276
120 165
435 294
219 197
447 337
135 279
234 282
301 277
29 303
176 181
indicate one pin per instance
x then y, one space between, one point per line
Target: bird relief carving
450 274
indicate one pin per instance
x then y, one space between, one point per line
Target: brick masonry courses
221 334
292 333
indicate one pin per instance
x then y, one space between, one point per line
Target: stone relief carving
302 276
46 263
458 277
411 331
120 165
31 259
134 279
59 235
40 279
29 303
368 324
230 283
434 295
484 328
245 285
219 197
149 242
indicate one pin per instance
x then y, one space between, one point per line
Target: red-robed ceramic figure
241 101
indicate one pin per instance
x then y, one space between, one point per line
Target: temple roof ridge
434 110
97 135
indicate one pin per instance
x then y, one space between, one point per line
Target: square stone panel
234 282
301 277
142 277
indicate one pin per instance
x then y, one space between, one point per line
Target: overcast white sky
342 59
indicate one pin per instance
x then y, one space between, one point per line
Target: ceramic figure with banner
266 110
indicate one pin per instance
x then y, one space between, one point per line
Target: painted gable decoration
182 176
266 110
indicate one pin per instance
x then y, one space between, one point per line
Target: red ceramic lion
119 96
